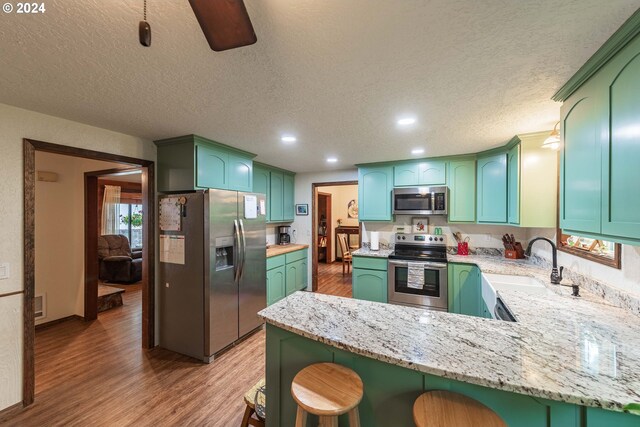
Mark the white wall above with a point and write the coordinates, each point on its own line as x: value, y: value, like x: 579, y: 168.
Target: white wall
x: 60, y: 233
x: 627, y: 278
x: 16, y: 124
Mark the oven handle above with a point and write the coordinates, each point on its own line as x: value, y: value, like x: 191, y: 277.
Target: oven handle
x: 438, y: 265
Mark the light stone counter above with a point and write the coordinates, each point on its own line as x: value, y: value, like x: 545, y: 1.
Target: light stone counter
x: 365, y: 251
x: 576, y: 350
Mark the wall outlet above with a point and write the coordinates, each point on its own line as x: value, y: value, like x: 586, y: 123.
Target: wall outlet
x: 4, y: 271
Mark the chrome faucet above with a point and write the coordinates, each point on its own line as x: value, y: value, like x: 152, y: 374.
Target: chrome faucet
x: 556, y: 276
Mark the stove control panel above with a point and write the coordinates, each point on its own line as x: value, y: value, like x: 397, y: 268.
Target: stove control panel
x: 421, y: 239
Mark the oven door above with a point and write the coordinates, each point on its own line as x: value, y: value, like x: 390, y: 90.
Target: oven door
x: 419, y: 283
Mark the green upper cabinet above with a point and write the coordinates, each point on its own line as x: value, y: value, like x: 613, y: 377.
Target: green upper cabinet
x: 240, y: 173
x: 464, y: 287
x: 601, y: 142
x: 288, y: 197
x: 432, y: 172
x: 492, y: 189
x: 191, y: 162
x: 276, y: 193
x: 261, y: 184
x: 513, y: 185
x: 279, y: 187
x: 462, y: 191
x: 374, y: 193
x: 212, y: 167
x: 621, y: 148
x: 580, y: 164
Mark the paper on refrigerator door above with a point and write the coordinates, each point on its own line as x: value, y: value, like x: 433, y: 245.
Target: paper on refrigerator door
x: 250, y: 206
x: 172, y: 249
x: 169, y: 214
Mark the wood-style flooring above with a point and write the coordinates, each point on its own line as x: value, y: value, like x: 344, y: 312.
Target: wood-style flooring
x: 332, y: 282
x: 97, y: 374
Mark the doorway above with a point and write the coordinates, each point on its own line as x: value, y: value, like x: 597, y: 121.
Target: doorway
x: 91, y: 264
x: 334, y: 215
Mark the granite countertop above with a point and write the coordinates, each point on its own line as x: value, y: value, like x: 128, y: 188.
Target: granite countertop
x: 275, y: 250
x: 577, y: 350
x: 365, y: 251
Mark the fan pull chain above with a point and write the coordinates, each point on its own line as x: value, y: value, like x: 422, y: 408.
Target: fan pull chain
x: 144, y: 29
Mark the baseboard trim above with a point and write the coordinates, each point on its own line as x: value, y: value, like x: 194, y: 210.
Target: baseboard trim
x: 57, y: 321
x: 8, y: 409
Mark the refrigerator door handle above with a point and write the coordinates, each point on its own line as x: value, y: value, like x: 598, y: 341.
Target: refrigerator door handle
x: 236, y: 261
x: 244, y: 249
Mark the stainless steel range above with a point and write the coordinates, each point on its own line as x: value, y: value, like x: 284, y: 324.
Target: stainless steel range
x: 418, y: 271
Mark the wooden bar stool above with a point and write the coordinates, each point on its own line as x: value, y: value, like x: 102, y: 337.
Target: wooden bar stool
x: 441, y: 408
x: 327, y: 390
x: 255, y: 400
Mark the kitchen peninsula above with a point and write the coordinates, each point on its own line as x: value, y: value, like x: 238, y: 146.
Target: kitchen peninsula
x: 566, y: 361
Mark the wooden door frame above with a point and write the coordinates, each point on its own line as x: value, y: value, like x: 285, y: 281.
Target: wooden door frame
x: 314, y: 226
x: 329, y: 219
x: 148, y: 261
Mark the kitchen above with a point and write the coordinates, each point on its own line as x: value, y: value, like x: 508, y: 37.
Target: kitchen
x: 522, y: 124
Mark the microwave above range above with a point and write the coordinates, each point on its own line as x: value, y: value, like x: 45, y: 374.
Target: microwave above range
x: 420, y: 201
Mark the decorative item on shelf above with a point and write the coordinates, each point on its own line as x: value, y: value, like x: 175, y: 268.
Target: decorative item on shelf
x: 513, y: 249
x: 339, y: 221
x: 419, y: 224
x: 302, y: 209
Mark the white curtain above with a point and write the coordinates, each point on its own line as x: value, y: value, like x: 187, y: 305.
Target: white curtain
x: 110, y: 210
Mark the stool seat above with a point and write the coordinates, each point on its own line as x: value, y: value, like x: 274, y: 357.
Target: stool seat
x: 255, y: 400
x: 327, y: 389
x: 441, y: 408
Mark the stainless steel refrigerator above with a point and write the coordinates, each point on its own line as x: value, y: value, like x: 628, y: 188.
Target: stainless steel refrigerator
x: 212, y: 269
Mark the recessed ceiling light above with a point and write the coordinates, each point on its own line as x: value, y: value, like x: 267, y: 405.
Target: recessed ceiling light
x: 331, y: 159
x: 417, y: 151
x: 406, y: 121
x: 289, y: 139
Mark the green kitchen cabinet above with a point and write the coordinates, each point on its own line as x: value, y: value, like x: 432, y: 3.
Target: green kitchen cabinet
x: 601, y: 143
x: 596, y: 417
x: 279, y: 187
x: 462, y: 190
x: 288, y: 194
x: 286, y: 274
x: 374, y: 193
x: 621, y: 145
x: 580, y: 164
x: 261, y: 184
x: 192, y: 162
x: 424, y: 172
x: 276, y: 194
x: 513, y: 185
x: 369, y: 278
x: 465, y: 292
x: 492, y: 189
x: 276, y: 284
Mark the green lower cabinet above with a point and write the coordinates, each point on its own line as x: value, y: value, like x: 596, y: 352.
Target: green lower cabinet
x: 276, y: 285
x: 286, y: 274
x: 390, y: 391
x: 369, y: 283
x: 465, y: 292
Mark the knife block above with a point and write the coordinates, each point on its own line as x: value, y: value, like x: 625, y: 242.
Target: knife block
x: 517, y: 253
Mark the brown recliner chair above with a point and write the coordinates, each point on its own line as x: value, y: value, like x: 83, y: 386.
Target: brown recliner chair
x: 117, y: 262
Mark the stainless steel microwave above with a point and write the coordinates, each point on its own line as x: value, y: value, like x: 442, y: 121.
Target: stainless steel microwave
x: 420, y: 201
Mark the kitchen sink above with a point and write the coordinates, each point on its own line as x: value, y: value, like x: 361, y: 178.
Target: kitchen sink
x: 493, y: 284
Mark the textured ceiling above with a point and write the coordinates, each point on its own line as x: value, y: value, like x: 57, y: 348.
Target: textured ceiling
x: 335, y: 73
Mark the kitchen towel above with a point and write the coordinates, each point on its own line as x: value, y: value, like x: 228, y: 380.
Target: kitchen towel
x: 375, y: 240
x: 415, y: 275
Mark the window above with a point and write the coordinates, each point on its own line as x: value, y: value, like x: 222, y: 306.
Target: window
x: 600, y: 251
x: 131, y: 223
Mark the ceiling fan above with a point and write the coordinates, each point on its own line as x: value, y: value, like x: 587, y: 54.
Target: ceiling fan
x: 225, y: 24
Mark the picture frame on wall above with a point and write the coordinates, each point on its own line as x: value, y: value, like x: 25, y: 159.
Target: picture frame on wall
x: 419, y: 224
x: 302, y: 209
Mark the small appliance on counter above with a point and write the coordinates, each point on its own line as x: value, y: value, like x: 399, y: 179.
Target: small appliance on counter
x: 512, y: 249
x: 417, y: 273
x: 284, y: 235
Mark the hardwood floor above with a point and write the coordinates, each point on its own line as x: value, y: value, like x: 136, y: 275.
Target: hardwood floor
x: 97, y: 374
x: 332, y: 282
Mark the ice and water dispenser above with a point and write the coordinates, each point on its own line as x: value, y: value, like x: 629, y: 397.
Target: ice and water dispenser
x: 224, y: 252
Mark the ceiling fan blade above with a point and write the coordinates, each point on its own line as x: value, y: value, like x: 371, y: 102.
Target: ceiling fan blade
x: 225, y: 23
